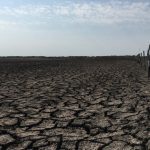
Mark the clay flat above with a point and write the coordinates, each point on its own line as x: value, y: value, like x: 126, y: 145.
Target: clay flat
x: 74, y: 103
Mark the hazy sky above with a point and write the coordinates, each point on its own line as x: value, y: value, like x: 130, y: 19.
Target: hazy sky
x: 74, y: 27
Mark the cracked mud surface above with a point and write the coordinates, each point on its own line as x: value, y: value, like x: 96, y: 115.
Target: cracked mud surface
x: 74, y: 104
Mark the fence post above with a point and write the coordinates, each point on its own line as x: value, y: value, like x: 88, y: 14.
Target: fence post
x: 148, y: 59
x: 138, y: 58
x: 144, y: 60
x: 141, y: 59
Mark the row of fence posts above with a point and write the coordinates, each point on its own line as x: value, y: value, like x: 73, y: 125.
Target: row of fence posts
x: 144, y: 60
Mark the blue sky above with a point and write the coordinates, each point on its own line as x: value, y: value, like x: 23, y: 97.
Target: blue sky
x: 74, y: 27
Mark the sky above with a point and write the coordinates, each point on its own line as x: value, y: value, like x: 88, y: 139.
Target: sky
x: 74, y: 27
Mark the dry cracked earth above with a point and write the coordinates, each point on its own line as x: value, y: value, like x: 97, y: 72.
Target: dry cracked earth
x: 74, y: 104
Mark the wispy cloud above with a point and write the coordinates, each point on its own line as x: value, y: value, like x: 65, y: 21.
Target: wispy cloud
x: 110, y: 12
x: 5, y: 24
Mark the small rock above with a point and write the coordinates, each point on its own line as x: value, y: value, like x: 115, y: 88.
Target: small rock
x: 118, y: 145
x: 5, y: 139
x: 8, y: 121
x: 86, y: 145
x: 39, y: 143
x: 29, y: 122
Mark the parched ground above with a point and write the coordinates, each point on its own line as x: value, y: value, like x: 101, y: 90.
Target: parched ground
x: 74, y: 104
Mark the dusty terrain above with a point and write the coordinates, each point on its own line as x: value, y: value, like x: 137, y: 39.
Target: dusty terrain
x: 74, y: 103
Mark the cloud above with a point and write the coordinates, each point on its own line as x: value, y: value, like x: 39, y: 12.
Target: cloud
x: 110, y: 12
x: 5, y: 24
